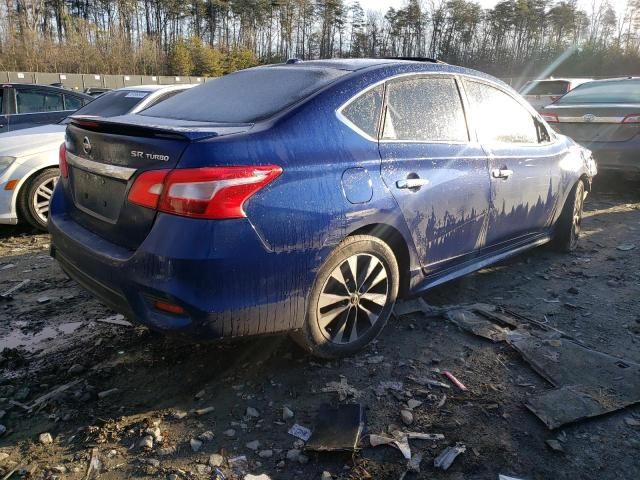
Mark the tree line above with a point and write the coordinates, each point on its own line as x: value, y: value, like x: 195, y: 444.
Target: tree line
x: 213, y: 37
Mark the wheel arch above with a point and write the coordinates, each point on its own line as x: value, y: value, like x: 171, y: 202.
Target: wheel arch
x: 23, y: 184
x: 398, y: 244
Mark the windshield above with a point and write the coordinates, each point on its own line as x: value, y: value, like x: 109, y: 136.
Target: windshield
x: 614, y: 91
x: 246, y: 96
x: 111, y: 104
x: 546, y: 87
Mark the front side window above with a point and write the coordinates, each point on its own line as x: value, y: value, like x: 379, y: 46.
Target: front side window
x: 37, y: 101
x: 498, y: 117
x: 424, y: 110
x: 364, y: 111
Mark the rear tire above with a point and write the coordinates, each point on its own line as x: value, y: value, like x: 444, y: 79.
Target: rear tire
x: 352, y: 298
x: 35, y: 196
x: 568, y: 227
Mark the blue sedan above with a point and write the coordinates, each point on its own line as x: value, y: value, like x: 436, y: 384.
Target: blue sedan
x: 307, y: 197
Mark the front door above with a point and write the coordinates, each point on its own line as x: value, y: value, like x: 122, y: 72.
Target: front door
x: 438, y: 176
x: 521, y: 159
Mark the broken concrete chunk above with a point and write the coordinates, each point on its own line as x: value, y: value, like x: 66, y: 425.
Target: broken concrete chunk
x: 265, y: 453
x: 165, y: 451
x: 287, y: 413
x: 146, y: 443
x: 448, y: 455
x: 45, y: 439
x: 206, y: 436
x: 203, y: 411
x: 196, y: 444
x: 262, y: 476
x: 252, y: 412
x: 253, y: 445
x: 555, y: 445
x: 326, y: 476
x: 108, y: 393
x: 216, y: 460
x: 413, y: 403
x: 229, y: 432
x: 407, y: 417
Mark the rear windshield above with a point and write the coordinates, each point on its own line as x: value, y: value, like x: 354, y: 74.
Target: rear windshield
x: 111, y: 104
x: 546, y: 87
x: 615, y: 91
x: 246, y: 96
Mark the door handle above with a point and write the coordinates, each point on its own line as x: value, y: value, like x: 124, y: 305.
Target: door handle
x: 411, y: 183
x: 501, y: 173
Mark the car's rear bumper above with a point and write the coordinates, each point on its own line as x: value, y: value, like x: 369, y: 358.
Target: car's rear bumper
x: 623, y: 157
x: 219, y: 272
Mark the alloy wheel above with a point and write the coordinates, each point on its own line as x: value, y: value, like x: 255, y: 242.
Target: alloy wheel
x: 42, y: 198
x: 352, y: 298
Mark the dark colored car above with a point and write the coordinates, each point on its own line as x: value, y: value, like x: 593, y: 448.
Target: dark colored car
x: 26, y: 106
x: 307, y: 197
x: 96, y: 91
x: 603, y: 116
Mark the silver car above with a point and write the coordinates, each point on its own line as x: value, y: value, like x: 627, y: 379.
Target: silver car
x: 29, y: 157
x: 540, y: 93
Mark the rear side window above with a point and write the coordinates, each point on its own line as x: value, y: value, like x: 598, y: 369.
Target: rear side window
x: 498, y: 117
x: 547, y: 87
x: 615, y: 91
x: 72, y: 102
x: 426, y: 110
x: 248, y: 95
x: 33, y: 101
x: 364, y: 111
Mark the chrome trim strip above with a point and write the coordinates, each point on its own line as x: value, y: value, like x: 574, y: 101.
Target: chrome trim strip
x: 104, y: 169
x: 594, y: 119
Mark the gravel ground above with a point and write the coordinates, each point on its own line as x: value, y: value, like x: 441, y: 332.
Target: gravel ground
x: 140, y: 405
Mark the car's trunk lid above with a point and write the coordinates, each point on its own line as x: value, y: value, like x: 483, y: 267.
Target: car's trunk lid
x: 595, y: 123
x: 106, y: 156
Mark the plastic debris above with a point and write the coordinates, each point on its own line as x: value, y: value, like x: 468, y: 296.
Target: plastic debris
x: 7, y: 294
x: 343, y: 389
x: 448, y: 455
x: 298, y: 431
x: 428, y: 382
x: 400, y: 440
x: 454, y: 380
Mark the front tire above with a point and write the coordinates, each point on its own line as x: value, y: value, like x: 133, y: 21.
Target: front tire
x: 352, y: 298
x: 570, y: 222
x: 35, y: 198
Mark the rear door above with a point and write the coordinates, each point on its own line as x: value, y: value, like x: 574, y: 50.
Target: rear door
x: 522, y: 155
x: 437, y: 173
x: 36, y: 106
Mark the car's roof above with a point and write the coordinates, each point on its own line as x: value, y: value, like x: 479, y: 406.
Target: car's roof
x: 155, y: 88
x: 41, y: 85
x: 563, y: 79
x: 349, y: 64
x: 616, y: 79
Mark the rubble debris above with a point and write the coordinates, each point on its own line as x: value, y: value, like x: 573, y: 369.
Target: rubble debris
x: 337, y: 428
x: 448, y: 455
x: 632, y: 422
x: 239, y: 465
x: 413, y: 465
x: 108, y: 393
x: 300, y: 432
x: 412, y: 403
x: 265, y: 453
x: 203, y: 411
x: 196, y: 445
x: 588, y: 383
x: 382, y: 387
x: 146, y: 442
x: 626, y: 247
x: 252, y: 412
x: 94, y: 465
x: 505, y: 477
x: 343, y: 389
x: 326, y: 476
x: 417, y: 305
x: 45, y: 439
x: 555, y: 445
x: 216, y: 460
x: 230, y: 432
x: 287, y: 413
x: 454, y: 380
x: 44, y: 399
x: 407, y: 417
x: 468, y: 320
x: 166, y: 451
x: 262, y: 476
x: 43, y: 300
x: 7, y: 294
x: 207, y: 436
x: 117, y: 319
x: 400, y: 440
x: 253, y: 445
x: 428, y: 382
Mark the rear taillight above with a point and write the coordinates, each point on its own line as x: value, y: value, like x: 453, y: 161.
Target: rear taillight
x: 550, y: 117
x: 632, y: 118
x: 62, y: 161
x: 212, y: 192
x: 147, y: 188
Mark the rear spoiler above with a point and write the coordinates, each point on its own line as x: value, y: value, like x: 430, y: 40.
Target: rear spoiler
x: 143, y: 126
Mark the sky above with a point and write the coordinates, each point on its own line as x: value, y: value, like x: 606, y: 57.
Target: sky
x: 383, y: 5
